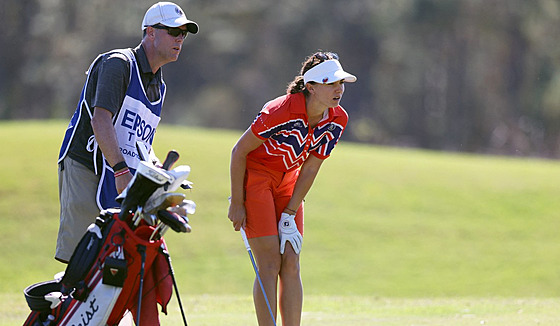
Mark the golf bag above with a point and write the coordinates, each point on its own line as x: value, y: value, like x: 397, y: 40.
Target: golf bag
x: 121, y: 263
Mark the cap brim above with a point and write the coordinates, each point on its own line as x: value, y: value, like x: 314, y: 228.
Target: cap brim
x: 340, y: 75
x: 334, y: 77
x: 192, y: 27
x: 328, y: 72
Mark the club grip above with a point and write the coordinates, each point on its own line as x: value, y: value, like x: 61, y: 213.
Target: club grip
x: 245, y: 239
x: 170, y: 159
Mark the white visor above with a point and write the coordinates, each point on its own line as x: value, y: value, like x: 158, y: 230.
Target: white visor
x: 328, y: 72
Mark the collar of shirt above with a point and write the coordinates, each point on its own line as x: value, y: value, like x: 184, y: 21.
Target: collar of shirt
x: 301, y: 108
x: 144, y: 64
x: 152, y: 82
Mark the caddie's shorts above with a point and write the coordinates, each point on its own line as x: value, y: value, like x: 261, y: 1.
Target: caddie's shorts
x: 267, y: 193
x: 77, y: 189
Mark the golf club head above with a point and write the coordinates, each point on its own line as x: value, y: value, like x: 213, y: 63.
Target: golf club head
x: 179, y: 176
x: 147, y: 179
x: 187, y: 207
x: 162, y: 201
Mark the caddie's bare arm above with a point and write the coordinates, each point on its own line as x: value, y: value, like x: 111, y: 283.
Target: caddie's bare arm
x: 102, y: 124
x: 247, y: 143
x: 307, y: 174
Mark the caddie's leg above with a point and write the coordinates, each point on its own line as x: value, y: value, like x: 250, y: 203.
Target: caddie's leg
x: 77, y: 187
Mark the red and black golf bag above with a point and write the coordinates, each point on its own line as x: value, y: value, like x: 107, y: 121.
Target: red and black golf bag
x: 121, y: 263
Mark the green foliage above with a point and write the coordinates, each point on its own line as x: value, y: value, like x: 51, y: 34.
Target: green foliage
x: 380, y: 222
x: 458, y: 75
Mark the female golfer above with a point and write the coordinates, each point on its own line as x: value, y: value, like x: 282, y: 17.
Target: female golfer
x: 273, y: 166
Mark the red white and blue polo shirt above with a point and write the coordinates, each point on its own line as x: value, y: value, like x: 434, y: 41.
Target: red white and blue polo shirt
x: 284, y: 125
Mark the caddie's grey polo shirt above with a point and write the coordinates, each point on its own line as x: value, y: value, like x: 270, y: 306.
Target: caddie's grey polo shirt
x: 107, y: 85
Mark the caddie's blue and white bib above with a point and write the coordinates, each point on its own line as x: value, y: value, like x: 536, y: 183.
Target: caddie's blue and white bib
x: 136, y: 121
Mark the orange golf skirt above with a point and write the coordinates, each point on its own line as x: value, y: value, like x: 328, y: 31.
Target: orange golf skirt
x: 267, y: 193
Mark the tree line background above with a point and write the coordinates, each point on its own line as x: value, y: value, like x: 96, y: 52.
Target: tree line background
x: 477, y: 76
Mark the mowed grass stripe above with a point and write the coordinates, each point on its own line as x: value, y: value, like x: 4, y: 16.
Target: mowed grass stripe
x: 379, y: 221
x: 237, y: 310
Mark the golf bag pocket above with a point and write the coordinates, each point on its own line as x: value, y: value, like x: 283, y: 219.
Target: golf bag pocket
x: 102, y: 296
x: 115, y: 271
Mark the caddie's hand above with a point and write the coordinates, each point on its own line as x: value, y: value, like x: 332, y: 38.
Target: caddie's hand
x: 287, y: 231
x: 122, y: 181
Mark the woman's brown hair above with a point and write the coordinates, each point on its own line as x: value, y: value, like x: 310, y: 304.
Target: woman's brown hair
x: 297, y: 85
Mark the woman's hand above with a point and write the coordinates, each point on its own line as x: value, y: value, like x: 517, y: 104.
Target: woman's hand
x: 237, y: 215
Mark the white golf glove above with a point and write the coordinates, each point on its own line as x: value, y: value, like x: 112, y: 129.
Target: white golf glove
x: 287, y: 231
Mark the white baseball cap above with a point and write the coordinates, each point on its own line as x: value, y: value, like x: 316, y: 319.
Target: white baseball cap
x: 328, y: 71
x: 168, y: 14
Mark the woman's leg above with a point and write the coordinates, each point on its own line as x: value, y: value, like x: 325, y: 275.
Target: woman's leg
x: 291, y: 288
x: 264, y: 206
x: 267, y: 255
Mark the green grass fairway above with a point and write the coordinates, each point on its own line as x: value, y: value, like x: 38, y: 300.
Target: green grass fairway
x: 237, y: 310
x: 392, y: 236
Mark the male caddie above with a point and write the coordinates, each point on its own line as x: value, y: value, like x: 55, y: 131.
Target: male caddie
x: 120, y: 106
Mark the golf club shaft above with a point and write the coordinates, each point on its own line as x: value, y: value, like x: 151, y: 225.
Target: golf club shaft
x: 246, y: 241
x: 142, y: 250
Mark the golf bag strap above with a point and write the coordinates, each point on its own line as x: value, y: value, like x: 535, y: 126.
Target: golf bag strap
x: 85, y: 254
x: 35, y: 295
